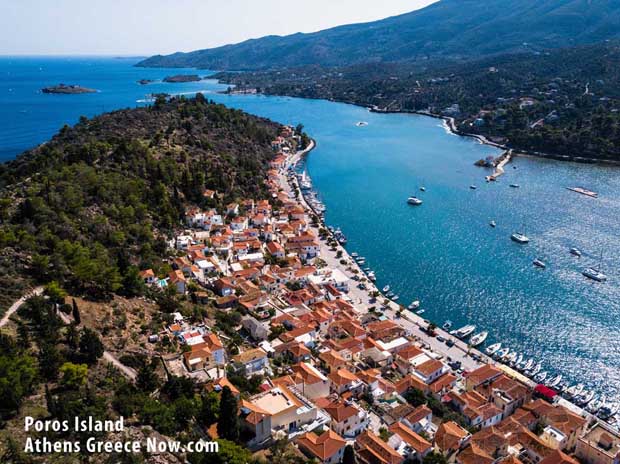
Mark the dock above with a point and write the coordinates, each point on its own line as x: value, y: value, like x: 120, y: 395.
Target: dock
x: 501, y: 161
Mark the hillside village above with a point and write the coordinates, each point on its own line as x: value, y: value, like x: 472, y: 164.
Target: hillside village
x: 335, y: 364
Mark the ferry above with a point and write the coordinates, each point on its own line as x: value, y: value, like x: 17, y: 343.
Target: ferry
x: 539, y: 263
x: 414, y: 201
x: 447, y: 325
x: 493, y: 224
x: 594, y: 274
x: 519, y: 238
x: 386, y: 289
x: 464, y: 332
x: 492, y: 349
x: 414, y: 305
x: 479, y: 338
x: 575, y: 252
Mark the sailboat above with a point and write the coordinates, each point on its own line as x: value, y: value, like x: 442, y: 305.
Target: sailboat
x: 594, y: 273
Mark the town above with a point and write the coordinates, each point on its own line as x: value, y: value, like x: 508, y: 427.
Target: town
x: 339, y: 368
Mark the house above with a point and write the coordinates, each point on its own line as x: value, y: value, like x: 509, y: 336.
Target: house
x: 148, y: 276
x: 565, y: 427
x: 216, y: 347
x: 257, y: 420
x: 347, y: 419
x: 197, y: 358
x: 483, y: 375
x: 476, y: 409
x: 331, y: 360
x: 276, y: 250
x: 599, y: 445
x: 288, y: 410
x: 420, y: 420
x: 252, y: 361
x: 223, y: 287
x: 451, y: 437
x: 177, y: 279
x: 408, y: 443
x: 506, y: 393
x: 344, y: 380
x: 258, y: 330
x: 327, y: 448
x: 372, y: 450
x: 312, y: 383
x: 430, y: 370
x: 558, y: 457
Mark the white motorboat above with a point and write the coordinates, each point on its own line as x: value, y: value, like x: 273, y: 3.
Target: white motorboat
x: 520, y: 237
x: 518, y: 360
x: 415, y: 201
x: 596, y: 404
x: 554, y: 382
x: 464, y: 331
x: 422, y: 189
x: 594, y: 274
x: 499, y: 354
x: 479, y: 338
x: 528, y: 365
x: 447, y: 325
x: 361, y: 123
x: 492, y: 349
x: 493, y: 224
x: 511, y: 357
x: 536, y: 369
x: 539, y: 263
x: 414, y: 305
x: 575, y: 390
x: 386, y: 289
x: 575, y: 252
x: 420, y: 311
x: 395, y: 298
x: 473, y: 187
x: 540, y: 378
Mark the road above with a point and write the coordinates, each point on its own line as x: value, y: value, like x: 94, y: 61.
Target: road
x: 15, y: 306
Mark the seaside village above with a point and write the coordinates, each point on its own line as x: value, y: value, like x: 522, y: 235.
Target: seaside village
x: 336, y: 363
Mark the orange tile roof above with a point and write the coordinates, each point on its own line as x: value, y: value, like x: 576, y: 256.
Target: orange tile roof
x: 414, y: 440
x: 322, y: 446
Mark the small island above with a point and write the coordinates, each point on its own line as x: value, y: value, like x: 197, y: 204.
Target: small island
x: 145, y: 81
x: 67, y: 89
x: 182, y: 78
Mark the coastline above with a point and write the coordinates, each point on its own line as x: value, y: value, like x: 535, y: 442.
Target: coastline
x: 338, y: 257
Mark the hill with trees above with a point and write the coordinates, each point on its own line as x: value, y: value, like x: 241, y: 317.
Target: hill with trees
x: 99, y: 201
x: 447, y: 29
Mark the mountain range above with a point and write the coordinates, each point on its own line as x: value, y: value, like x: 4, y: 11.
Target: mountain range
x: 447, y: 29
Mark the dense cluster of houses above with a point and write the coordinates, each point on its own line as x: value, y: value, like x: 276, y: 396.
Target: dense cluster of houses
x: 335, y: 373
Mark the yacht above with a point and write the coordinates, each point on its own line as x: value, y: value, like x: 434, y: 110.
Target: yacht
x: 594, y: 274
x: 493, y: 224
x: 492, y: 349
x: 447, y: 325
x: 414, y: 201
x: 575, y: 252
x: 519, y: 238
x: 539, y: 263
x: 386, y: 289
x: 464, y: 331
x: 479, y: 338
x: 414, y: 305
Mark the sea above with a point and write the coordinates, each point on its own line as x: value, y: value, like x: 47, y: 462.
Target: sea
x: 443, y: 253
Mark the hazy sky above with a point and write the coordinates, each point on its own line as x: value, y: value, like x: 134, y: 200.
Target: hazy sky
x: 144, y: 27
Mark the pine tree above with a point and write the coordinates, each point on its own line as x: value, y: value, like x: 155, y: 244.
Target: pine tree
x: 76, y: 313
x: 50, y: 401
x: 228, y: 422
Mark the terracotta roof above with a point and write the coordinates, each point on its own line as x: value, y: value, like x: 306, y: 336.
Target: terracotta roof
x: 410, y: 437
x: 375, y: 450
x: 343, y: 377
x: 474, y: 455
x: 449, y: 435
x: 250, y: 355
x: 557, y: 457
x: 322, y: 446
x: 429, y: 367
x: 340, y: 411
x: 482, y: 374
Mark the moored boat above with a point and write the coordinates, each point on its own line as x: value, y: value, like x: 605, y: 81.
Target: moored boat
x: 479, y: 338
x: 500, y: 354
x: 492, y: 349
x: 464, y: 331
x: 386, y: 289
x: 594, y: 274
x: 447, y: 325
x: 520, y: 237
x: 415, y: 201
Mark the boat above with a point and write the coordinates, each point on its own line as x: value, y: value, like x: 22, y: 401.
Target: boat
x: 583, y: 191
x: 596, y: 404
x: 575, y: 252
x: 354, y: 255
x: 586, y: 397
x: 360, y: 258
x: 492, y: 349
x: 415, y: 201
x: 479, y: 338
x: 386, y: 289
x: 519, y: 360
x: 414, y: 305
x: 540, y: 378
x: 528, y: 365
x: 447, y: 325
x: 594, y: 274
x: 420, y: 311
x: 390, y: 294
x: 519, y: 237
x: 502, y: 353
x: 422, y: 189
x: 395, y: 298
x: 372, y: 277
x: 361, y: 123
x: 361, y: 262
x: 536, y: 369
x: 304, y: 181
x: 516, y: 186
x: 539, y: 263
x: 511, y: 357
x: 575, y: 390
x: 493, y: 224
x: 464, y: 331
x: 555, y: 381
x: 473, y: 187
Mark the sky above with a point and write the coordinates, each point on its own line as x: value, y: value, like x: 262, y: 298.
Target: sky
x: 146, y: 27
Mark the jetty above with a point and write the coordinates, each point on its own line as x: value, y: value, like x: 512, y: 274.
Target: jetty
x: 500, y: 162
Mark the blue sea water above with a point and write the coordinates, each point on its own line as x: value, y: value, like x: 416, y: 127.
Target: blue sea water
x: 443, y: 253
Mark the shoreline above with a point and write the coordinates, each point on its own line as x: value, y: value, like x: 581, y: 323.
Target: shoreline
x: 399, y: 314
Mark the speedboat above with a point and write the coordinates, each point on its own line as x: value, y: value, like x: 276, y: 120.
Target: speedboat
x: 386, y: 289
x: 594, y: 274
x: 420, y: 311
x: 520, y: 238
x: 422, y: 189
x: 464, y: 332
x: 395, y: 298
x: 447, y: 325
x: 516, y: 186
x: 493, y: 224
x: 473, y: 187
x: 354, y: 255
x: 539, y: 263
x: 492, y: 349
x: 575, y: 252
x: 415, y: 201
x: 414, y: 305
x: 361, y: 123
x: 479, y: 338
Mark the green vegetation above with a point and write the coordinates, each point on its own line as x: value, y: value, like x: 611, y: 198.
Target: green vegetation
x: 97, y: 202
